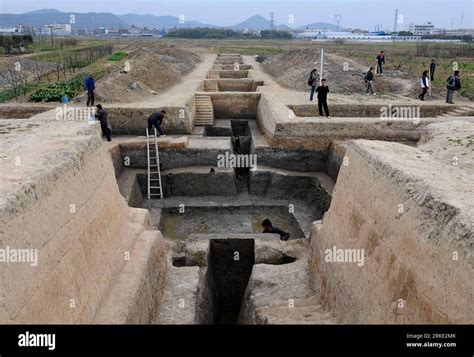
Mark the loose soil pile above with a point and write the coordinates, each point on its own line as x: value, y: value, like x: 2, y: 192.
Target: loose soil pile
x: 344, y: 75
x: 151, y: 71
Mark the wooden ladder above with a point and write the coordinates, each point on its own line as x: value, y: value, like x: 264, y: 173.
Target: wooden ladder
x: 154, y: 172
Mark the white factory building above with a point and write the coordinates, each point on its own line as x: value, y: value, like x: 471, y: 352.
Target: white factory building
x: 421, y: 30
x: 323, y: 34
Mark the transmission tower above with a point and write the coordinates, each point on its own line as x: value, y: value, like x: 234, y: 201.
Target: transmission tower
x: 338, y: 19
x: 272, y: 21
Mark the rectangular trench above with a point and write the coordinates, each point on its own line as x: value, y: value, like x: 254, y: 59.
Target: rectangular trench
x: 230, y: 264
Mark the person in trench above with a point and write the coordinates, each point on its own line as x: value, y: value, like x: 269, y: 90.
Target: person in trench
x: 269, y: 228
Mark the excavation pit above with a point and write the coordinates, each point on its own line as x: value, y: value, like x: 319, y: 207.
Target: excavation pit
x: 227, y: 74
x: 227, y: 128
x: 230, y: 264
x: 231, y: 85
x: 236, y: 105
x: 175, y: 224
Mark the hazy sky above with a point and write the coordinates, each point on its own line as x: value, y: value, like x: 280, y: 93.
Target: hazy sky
x: 355, y: 13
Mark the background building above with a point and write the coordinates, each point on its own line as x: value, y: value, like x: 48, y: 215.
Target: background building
x: 421, y: 30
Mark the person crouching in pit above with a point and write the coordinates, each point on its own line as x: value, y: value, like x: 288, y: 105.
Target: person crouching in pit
x: 268, y: 228
x: 156, y: 120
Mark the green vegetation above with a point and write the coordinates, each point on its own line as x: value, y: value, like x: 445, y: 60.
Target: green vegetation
x: 251, y: 50
x: 54, y: 92
x: 208, y: 33
x: 118, y: 56
x: 10, y: 94
x: 8, y: 43
x: 220, y: 34
x: 275, y: 35
x: 75, y: 57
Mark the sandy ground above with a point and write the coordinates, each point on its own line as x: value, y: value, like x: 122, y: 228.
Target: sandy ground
x: 150, y: 71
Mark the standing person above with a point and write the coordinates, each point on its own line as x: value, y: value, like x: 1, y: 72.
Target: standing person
x: 269, y: 228
x: 101, y: 116
x: 454, y: 84
x: 380, y: 61
x: 425, y: 84
x: 323, y: 91
x: 156, y: 119
x: 89, y: 85
x: 432, y: 69
x: 313, y: 81
x: 369, y: 77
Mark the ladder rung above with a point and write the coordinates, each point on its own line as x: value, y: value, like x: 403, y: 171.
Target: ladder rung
x: 155, y: 187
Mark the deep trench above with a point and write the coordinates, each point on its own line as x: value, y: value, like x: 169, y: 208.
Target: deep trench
x: 241, y: 144
x: 230, y: 263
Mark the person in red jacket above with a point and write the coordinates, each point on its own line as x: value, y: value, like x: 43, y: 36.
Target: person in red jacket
x: 380, y: 62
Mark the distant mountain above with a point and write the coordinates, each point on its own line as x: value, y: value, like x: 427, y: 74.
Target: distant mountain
x: 257, y: 23
x: 152, y: 21
x: 42, y: 11
x: 44, y: 17
x: 93, y: 20
x: 320, y: 26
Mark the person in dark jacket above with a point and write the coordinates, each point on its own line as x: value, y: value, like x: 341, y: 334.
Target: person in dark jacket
x: 155, y: 120
x: 313, y: 82
x: 432, y: 69
x: 380, y: 62
x: 89, y: 85
x: 101, y: 116
x: 425, y: 84
x: 269, y: 228
x: 369, y: 78
x: 323, y: 91
x: 454, y: 84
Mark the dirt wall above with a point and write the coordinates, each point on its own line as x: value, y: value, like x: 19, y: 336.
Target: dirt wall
x: 402, y: 208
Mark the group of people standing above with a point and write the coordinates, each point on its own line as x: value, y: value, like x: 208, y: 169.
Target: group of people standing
x: 427, y: 78
x: 320, y: 86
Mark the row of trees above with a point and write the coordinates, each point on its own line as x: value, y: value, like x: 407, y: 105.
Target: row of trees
x: 8, y: 43
x: 211, y: 33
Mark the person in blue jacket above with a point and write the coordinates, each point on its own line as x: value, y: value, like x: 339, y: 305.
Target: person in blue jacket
x: 89, y: 85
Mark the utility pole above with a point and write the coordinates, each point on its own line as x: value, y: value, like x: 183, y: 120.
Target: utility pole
x: 51, y: 30
x: 462, y: 18
x: 321, y: 66
x: 395, y: 22
x: 272, y: 21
